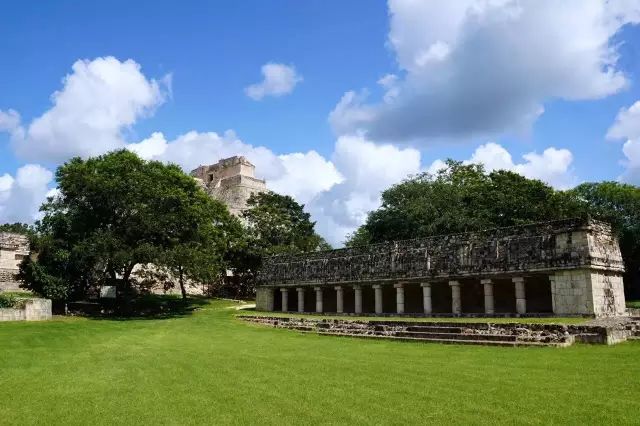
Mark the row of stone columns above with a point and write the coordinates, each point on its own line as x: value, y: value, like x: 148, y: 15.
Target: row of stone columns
x: 456, y: 300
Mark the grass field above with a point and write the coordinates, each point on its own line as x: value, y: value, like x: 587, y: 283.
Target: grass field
x: 211, y: 368
x: 633, y: 304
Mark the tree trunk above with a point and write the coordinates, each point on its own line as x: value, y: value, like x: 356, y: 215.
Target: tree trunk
x: 126, y: 278
x: 181, y: 280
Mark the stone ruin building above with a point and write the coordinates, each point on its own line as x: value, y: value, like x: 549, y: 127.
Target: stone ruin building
x: 13, y: 248
x: 232, y: 181
x: 564, y: 268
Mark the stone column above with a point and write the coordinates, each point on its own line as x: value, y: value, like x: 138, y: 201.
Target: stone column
x: 456, y: 303
x: 488, y: 296
x: 318, y: 299
x: 357, y: 290
x: 399, y: 297
x: 339, y: 299
x: 521, y: 301
x: 285, y: 299
x: 270, y: 299
x: 426, y: 298
x: 300, y: 291
x: 553, y: 282
x: 378, y: 292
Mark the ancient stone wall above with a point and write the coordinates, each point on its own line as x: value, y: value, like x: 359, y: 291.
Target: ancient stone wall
x: 13, y: 248
x: 588, y: 292
x: 565, y: 244
x: 33, y: 310
x: 264, y: 299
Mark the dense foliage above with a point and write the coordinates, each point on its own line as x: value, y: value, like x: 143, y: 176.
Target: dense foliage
x: 278, y: 224
x: 464, y: 197
x: 16, y: 228
x: 273, y: 224
x: 116, y: 212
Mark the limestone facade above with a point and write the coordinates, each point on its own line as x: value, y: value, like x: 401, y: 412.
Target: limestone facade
x: 13, y: 248
x: 567, y: 267
x: 232, y: 181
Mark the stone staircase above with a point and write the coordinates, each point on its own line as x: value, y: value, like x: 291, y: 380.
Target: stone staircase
x: 633, y: 328
x: 510, y: 335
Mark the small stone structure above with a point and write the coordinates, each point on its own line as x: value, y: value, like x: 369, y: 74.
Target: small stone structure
x: 31, y: 310
x: 503, y: 334
x: 13, y: 248
x: 232, y: 181
x: 566, y: 267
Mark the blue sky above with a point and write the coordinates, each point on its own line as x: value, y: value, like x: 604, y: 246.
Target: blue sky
x: 468, y: 81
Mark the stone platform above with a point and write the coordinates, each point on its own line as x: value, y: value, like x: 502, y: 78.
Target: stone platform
x: 508, y: 334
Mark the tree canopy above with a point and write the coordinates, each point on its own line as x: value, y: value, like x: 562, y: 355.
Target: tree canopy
x: 460, y: 198
x: 278, y: 224
x: 16, y: 228
x: 117, y: 211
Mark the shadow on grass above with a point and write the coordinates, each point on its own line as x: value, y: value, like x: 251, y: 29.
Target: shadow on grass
x: 142, y: 307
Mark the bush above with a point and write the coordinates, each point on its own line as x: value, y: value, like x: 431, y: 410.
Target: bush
x: 8, y: 301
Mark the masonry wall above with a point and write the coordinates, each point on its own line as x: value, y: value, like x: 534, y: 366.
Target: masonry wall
x: 13, y: 248
x: 33, y: 310
x: 587, y: 292
x: 264, y: 299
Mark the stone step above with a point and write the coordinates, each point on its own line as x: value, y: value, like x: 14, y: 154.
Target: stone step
x: 457, y: 336
x: 448, y: 341
x: 447, y: 334
x: 434, y: 329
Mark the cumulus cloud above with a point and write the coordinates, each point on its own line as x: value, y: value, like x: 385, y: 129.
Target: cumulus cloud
x: 368, y: 169
x: 339, y: 192
x: 9, y: 120
x: 301, y: 175
x: 553, y: 166
x: 477, y: 67
x: 99, y: 100
x: 279, y: 80
x: 22, y: 195
x: 627, y: 126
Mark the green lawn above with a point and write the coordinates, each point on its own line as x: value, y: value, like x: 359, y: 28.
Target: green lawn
x: 211, y: 368
x: 633, y: 304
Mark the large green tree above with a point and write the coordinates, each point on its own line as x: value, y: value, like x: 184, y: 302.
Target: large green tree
x: 274, y: 224
x: 117, y: 211
x: 278, y: 224
x: 459, y: 198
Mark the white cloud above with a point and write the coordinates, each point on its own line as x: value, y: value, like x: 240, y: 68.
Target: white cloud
x: 338, y: 192
x: 305, y: 176
x: 627, y: 123
x: 553, y: 166
x: 279, y: 80
x: 301, y: 175
x: 368, y: 169
x: 22, y: 195
x: 627, y: 126
x: 478, y: 67
x: 9, y: 120
x: 99, y: 100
